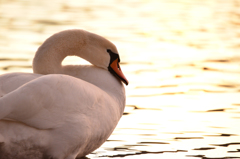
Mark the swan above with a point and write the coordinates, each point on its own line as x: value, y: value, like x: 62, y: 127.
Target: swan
x: 62, y: 112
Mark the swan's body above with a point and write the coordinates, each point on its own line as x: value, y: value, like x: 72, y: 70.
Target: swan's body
x: 62, y: 112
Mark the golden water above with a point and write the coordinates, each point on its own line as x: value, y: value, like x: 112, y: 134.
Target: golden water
x: 181, y: 57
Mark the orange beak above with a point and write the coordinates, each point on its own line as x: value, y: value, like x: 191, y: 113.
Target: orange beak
x: 117, y: 71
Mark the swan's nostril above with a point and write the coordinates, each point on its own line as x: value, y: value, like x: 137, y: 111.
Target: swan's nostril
x: 118, y: 66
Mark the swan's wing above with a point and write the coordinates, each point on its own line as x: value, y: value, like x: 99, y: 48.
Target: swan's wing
x: 11, y: 81
x: 52, y: 100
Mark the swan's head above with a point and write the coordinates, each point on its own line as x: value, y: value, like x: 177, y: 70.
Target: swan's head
x: 102, y: 53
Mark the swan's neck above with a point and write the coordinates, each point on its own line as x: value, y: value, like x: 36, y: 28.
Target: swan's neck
x: 49, y: 57
x: 50, y: 54
x: 48, y: 60
x: 100, y: 78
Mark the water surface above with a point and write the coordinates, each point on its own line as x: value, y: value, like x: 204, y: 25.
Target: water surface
x: 181, y: 57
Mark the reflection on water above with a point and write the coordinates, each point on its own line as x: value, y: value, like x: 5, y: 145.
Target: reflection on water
x: 181, y: 58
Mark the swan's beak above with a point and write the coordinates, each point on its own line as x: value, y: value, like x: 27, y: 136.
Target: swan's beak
x: 115, y: 68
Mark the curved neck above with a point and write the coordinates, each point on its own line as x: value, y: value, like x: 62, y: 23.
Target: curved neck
x: 50, y: 54
x: 48, y: 60
x: 45, y: 63
x: 51, y: 64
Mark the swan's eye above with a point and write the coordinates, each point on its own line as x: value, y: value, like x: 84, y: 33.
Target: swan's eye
x: 113, y: 56
x: 109, y: 51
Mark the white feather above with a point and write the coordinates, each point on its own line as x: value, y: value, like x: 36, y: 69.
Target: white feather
x: 61, y: 111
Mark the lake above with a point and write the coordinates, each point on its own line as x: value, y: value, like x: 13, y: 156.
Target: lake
x: 181, y: 57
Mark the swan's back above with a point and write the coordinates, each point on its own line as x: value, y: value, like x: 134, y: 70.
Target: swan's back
x: 11, y: 81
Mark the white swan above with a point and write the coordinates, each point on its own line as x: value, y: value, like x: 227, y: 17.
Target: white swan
x: 62, y: 112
